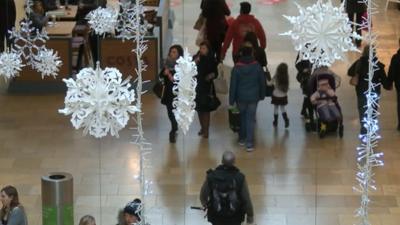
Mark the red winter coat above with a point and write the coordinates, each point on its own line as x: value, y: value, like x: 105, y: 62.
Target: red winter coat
x: 237, y: 31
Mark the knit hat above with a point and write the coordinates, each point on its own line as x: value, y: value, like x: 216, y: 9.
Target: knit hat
x: 134, y: 208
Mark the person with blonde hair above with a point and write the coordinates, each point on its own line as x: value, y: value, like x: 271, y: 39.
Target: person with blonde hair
x: 87, y: 220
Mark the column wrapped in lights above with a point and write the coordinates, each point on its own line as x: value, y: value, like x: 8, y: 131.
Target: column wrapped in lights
x: 368, y: 158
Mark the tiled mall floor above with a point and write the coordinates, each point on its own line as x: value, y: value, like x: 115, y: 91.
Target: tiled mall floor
x: 295, y: 178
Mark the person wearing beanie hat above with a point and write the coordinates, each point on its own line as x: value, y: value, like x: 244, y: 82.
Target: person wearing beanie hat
x: 132, y: 212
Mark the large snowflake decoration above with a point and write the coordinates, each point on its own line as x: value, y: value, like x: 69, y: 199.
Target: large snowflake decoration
x: 99, y: 101
x: 322, y: 33
x: 47, y: 62
x: 185, y: 88
x: 30, y: 43
x: 103, y: 20
x: 10, y: 64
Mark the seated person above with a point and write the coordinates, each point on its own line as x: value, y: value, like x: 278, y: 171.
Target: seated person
x: 325, y: 100
x: 38, y: 17
x: 131, y: 213
x: 49, y: 5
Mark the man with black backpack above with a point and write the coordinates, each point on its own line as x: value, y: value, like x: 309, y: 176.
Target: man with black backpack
x: 225, y: 194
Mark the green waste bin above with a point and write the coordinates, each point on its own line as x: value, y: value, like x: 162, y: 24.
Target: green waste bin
x: 58, y: 199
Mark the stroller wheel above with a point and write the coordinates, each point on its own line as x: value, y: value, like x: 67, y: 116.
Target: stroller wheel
x: 341, y: 131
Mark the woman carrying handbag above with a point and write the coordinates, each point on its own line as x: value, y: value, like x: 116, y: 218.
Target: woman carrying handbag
x: 206, y: 99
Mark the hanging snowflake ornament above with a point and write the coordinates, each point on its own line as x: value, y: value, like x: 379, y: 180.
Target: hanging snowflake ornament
x: 30, y: 44
x: 103, y: 20
x: 99, y: 101
x: 10, y: 64
x: 322, y: 33
x: 185, y: 90
x: 47, y: 62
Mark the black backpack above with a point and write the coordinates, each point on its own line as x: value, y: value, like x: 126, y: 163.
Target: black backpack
x: 225, y: 201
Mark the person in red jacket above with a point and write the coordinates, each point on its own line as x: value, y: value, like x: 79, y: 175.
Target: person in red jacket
x: 243, y: 24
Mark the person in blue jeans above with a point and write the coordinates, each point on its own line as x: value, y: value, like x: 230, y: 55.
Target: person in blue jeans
x: 246, y: 90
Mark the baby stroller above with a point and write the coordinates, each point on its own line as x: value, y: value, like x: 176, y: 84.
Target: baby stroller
x: 328, y: 112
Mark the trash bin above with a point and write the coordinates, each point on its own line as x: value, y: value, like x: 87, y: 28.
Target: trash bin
x: 57, y: 199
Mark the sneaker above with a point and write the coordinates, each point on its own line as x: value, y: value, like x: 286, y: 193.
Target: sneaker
x: 242, y: 143
x: 249, y: 149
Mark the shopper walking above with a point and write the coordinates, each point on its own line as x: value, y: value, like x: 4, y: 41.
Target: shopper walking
x: 167, y: 75
x: 359, y: 79
x: 12, y: 212
x: 7, y: 21
x: 394, y: 76
x: 205, y: 91
x: 356, y: 9
x: 246, y: 90
x: 225, y: 194
x: 243, y: 24
x: 279, y: 95
x: 259, y: 53
x: 214, y: 12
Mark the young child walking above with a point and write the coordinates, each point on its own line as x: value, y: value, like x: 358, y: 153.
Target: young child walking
x: 279, y: 95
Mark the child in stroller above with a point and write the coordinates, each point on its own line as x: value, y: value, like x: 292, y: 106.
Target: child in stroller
x: 324, y: 98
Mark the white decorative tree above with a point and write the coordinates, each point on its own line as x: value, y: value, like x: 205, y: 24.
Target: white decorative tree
x: 185, y: 89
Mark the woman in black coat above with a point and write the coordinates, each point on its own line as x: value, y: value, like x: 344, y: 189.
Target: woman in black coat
x: 360, y: 68
x: 167, y: 75
x: 216, y: 26
x: 206, y: 73
x: 7, y: 21
x: 355, y: 10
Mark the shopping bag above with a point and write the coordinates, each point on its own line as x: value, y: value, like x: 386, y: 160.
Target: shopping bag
x: 201, y: 20
x: 220, y: 84
x: 201, y: 35
x: 234, y: 119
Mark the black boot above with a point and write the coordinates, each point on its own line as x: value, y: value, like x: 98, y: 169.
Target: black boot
x: 172, y: 137
x: 275, y: 122
x: 285, y: 117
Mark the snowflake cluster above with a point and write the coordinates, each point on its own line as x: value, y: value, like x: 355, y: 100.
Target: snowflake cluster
x: 10, y: 64
x: 102, y: 20
x: 30, y: 44
x: 185, y: 89
x: 131, y: 21
x: 99, y: 101
x: 322, y: 33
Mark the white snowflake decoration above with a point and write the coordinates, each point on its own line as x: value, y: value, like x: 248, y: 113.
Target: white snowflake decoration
x: 322, y: 33
x: 10, y: 64
x: 47, y: 63
x: 99, y: 101
x: 185, y: 88
x: 103, y: 20
x: 30, y: 43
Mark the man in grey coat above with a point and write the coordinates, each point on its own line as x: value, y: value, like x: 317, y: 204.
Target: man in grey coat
x: 226, y: 183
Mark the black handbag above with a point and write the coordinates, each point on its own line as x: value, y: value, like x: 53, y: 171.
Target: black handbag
x: 213, y: 101
x: 159, y: 89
